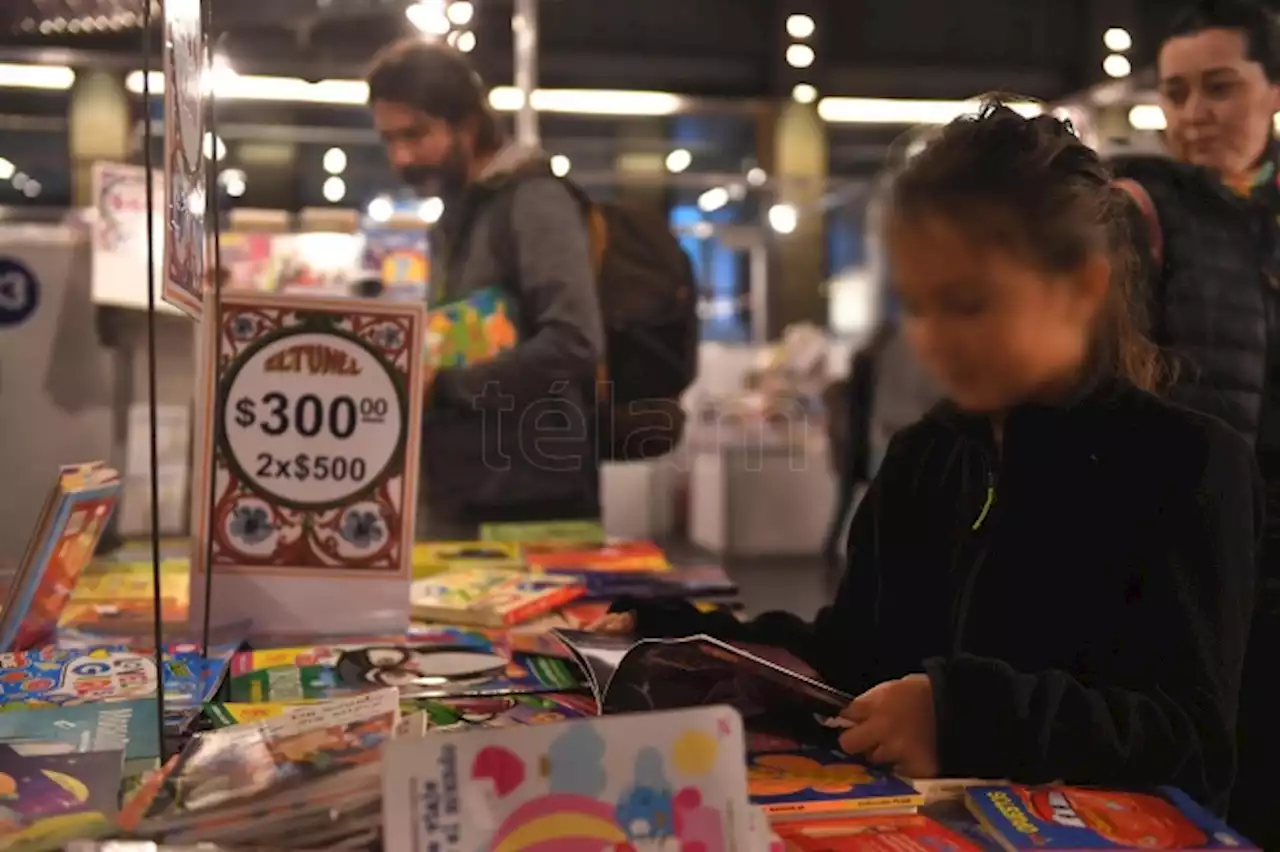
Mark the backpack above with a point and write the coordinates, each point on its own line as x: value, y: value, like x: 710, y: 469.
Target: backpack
x: 648, y: 301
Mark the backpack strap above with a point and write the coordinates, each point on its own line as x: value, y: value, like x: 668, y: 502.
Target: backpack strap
x: 1155, y: 234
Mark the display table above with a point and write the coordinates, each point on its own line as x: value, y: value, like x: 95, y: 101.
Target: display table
x: 761, y: 498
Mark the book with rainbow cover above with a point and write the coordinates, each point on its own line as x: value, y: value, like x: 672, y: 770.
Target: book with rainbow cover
x: 1080, y: 818
x: 661, y: 780
x: 470, y: 330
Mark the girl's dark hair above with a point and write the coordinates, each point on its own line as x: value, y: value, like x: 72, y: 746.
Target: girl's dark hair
x: 435, y: 79
x: 1031, y: 183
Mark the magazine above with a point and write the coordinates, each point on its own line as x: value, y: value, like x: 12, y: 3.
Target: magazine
x: 1079, y: 818
x: 662, y: 780
x: 48, y: 799
x: 123, y: 726
x: 490, y: 597
x: 418, y: 671
x: 766, y: 686
x: 74, y: 515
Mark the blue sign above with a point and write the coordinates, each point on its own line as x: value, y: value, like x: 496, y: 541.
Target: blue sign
x: 19, y: 293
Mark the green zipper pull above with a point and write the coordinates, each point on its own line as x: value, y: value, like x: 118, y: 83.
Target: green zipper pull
x: 986, y: 507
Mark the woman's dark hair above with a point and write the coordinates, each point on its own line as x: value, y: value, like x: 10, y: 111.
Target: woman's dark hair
x: 1032, y: 184
x: 1253, y: 20
x: 437, y: 80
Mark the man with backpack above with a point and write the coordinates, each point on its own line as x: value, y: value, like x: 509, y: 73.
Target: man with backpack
x: 520, y: 437
x: 1206, y: 221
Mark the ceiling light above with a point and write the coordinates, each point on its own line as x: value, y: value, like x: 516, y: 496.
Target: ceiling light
x: 907, y: 110
x: 800, y: 26
x: 1117, y: 40
x: 32, y: 189
x: 214, y: 148
x: 335, y: 189
x: 48, y: 77
x: 784, y: 218
x: 590, y: 101
x: 713, y: 199
x: 7, y: 169
x: 1116, y: 66
x: 466, y: 41
x: 430, y: 210
x: 800, y: 56
x: 335, y: 161
x: 804, y: 93
x: 233, y: 181
x: 20, y: 181
x: 460, y: 12
x: 679, y: 160
x: 560, y: 165
x: 381, y: 209
x: 757, y: 176
x: 429, y: 17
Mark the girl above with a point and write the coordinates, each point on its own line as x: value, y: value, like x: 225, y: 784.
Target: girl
x: 1052, y: 575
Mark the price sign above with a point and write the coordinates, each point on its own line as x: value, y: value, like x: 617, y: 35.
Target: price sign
x: 310, y: 468
x: 313, y: 419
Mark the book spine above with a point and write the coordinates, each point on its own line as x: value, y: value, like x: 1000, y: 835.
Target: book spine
x: 541, y: 606
x: 880, y: 804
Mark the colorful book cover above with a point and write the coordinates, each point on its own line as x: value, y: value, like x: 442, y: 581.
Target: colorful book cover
x: 128, y: 726
x: 625, y: 556
x: 503, y: 711
x: 576, y: 534
x: 470, y: 331
x: 47, y: 800
x: 874, y: 833
x: 470, y: 554
x: 117, y: 598
x: 621, y: 782
x: 398, y: 258
x: 1077, y: 818
x: 421, y: 671
x: 802, y: 781
x: 233, y: 764
x: 490, y: 597
x: 66, y: 548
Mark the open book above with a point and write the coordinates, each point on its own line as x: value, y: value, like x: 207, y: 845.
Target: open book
x: 765, y: 685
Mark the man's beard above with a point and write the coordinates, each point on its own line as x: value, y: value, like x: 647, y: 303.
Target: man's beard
x: 445, y: 180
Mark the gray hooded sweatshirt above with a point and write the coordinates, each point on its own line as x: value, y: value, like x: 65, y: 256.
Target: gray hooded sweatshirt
x: 512, y: 439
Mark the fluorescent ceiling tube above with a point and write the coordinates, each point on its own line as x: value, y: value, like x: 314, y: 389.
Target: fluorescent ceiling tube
x: 905, y: 110
x: 56, y: 78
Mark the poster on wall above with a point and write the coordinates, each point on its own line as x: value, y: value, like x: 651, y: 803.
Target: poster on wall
x: 184, y: 165
x: 397, y: 258
x: 118, y: 267
x: 313, y: 466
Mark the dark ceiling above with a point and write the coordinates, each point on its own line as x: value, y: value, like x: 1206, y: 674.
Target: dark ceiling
x: 728, y: 52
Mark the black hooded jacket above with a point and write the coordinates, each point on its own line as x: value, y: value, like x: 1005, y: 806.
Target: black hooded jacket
x: 1079, y: 597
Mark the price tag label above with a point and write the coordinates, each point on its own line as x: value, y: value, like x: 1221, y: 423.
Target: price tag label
x: 313, y: 419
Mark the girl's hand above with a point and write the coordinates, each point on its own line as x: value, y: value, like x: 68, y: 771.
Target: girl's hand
x: 894, y: 725
x: 615, y: 622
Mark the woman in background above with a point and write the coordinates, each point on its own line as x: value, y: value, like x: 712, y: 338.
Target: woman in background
x: 1052, y: 574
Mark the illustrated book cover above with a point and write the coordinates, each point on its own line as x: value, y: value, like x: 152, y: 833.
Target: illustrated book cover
x: 443, y: 555
x: 570, y: 534
x: 1077, y: 818
x: 873, y: 833
x: 622, y: 556
x: 773, y: 692
x: 793, y: 781
x: 470, y: 331
x: 490, y: 597
x: 626, y: 782
x: 74, y: 516
x: 124, y: 726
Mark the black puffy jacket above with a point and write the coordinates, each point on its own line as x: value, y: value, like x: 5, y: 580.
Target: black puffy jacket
x: 1216, y: 293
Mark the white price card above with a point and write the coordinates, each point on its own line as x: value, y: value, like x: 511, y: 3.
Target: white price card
x: 310, y: 463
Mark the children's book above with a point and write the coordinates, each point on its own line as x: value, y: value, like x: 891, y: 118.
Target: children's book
x: 873, y: 833
x: 230, y: 765
x: 127, y: 726
x: 660, y: 780
x: 50, y: 799
x: 74, y: 516
x: 469, y: 554
x: 575, y: 534
x: 420, y: 671
x: 793, y: 781
x: 616, y: 557
x: 1077, y: 818
x: 766, y: 686
x: 117, y: 598
x: 490, y: 597
x: 471, y: 330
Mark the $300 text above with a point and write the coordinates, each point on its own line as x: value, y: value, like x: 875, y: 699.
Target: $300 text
x: 306, y: 468
x: 308, y: 416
